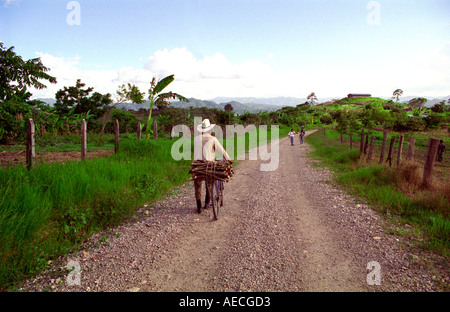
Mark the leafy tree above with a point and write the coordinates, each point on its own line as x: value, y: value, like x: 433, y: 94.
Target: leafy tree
x: 397, y: 94
x: 124, y: 93
x: 128, y: 121
x: 12, y: 115
x: 434, y: 120
x: 440, y: 107
x: 77, y: 98
x: 326, y: 119
x: 16, y: 74
x: 417, y: 102
x: 228, y: 108
x: 312, y: 98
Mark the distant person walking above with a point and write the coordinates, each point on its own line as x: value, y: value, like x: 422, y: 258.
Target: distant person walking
x: 291, y: 136
x: 441, y: 150
x: 302, y: 134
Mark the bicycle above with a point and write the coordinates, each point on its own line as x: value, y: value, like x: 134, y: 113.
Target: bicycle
x: 216, y: 194
x: 214, y: 173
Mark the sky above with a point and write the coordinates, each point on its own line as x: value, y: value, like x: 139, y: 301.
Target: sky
x: 237, y: 48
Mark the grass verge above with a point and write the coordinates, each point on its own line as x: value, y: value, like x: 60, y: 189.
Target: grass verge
x: 393, y: 190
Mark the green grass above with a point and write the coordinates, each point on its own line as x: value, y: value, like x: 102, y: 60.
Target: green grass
x: 427, y: 211
x: 47, y: 211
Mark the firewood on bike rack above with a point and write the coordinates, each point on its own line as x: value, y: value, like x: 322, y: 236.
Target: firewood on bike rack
x: 208, y: 170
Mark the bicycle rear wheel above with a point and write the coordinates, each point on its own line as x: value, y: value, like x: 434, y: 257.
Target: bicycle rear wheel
x: 215, y: 198
x: 221, y: 187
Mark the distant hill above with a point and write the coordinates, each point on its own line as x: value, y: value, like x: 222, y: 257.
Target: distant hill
x: 277, y: 101
x: 238, y: 107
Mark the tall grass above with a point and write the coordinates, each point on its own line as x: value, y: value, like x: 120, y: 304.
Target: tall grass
x: 47, y: 211
x: 393, y: 190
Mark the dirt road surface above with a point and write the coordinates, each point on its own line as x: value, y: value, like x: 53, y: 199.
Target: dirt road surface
x: 286, y: 230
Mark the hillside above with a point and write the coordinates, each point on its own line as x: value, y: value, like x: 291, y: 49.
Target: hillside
x: 238, y: 107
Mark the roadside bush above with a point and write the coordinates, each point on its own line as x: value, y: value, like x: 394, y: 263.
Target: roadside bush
x: 415, y: 124
x: 434, y: 120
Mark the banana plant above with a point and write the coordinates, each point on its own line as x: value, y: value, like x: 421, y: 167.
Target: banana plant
x: 161, y: 99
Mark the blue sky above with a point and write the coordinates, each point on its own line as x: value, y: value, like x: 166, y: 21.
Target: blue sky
x: 254, y: 48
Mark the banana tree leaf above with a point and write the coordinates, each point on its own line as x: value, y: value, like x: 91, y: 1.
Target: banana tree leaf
x: 162, y: 84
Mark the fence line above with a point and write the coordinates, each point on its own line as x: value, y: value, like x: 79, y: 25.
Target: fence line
x: 31, y: 135
x: 413, y: 153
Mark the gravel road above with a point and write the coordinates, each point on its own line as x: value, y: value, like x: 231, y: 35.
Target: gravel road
x: 286, y: 230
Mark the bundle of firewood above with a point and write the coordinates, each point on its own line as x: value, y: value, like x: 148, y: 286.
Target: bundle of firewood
x: 211, y: 170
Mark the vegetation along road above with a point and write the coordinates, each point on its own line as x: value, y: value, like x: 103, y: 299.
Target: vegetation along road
x: 290, y: 229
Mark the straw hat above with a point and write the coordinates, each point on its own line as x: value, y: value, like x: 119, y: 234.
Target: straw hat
x: 205, y: 126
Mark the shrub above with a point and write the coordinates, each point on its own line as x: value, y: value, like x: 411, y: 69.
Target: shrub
x: 434, y: 120
x: 326, y: 119
x: 415, y: 124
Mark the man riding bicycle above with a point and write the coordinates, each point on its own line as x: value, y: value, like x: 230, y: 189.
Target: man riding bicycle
x: 209, y: 146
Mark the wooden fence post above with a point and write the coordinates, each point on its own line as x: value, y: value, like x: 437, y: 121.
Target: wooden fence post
x: 139, y: 126
x: 412, y: 142
x: 351, y: 141
x: 400, y: 150
x: 389, y: 158
x: 383, y: 146
x: 372, y: 142
x: 361, y: 144
x: 83, y: 139
x: 116, y: 136
x: 155, y: 131
x: 30, y: 154
x: 429, y: 161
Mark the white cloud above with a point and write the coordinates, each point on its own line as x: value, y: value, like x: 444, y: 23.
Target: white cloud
x: 213, y: 75
x: 421, y: 74
x: 6, y: 3
x: 203, y: 78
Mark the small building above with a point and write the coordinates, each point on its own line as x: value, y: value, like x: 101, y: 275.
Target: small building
x: 352, y: 95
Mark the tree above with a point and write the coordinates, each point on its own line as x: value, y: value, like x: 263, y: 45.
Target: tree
x: 312, y: 98
x: 440, y: 107
x: 123, y: 94
x: 161, y: 99
x: 15, y: 103
x: 397, y: 94
x: 417, y: 102
x: 78, y: 99
x: 228, y: 108
x: 16, y: 74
